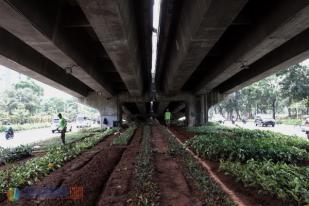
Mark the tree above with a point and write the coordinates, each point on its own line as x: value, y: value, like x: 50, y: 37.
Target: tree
x: 294, y: 84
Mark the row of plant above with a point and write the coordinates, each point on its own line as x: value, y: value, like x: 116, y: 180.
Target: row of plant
x: 8, y: 155
x: 212, y: 193
x: 36, y: 168
x: 20, y: 127
x: 146, y: 188
x: 218, y: 146
x: 216, y: 128
x: 287, y: 182
x: 259, y: 159
x: 125, y: 137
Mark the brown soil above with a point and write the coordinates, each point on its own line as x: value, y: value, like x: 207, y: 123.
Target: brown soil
x: 249, y: 196
x: 174, y: 189
x: 181, y: 133
x: 90, y: 170
x: 121, y: 181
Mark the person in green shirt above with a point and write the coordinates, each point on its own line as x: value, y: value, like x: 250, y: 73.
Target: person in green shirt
x: 62, y: 127
x: 167, y: 117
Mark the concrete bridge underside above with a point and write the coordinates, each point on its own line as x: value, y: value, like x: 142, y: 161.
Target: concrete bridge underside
x: 100, y: 51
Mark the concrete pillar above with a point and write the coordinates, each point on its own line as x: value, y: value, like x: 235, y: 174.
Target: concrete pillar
x: 192, y: 113
x: 109, y: 108
x: 204, y: 109
x: 197, y: 110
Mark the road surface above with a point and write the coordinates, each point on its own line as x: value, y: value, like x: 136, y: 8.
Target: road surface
x: 28, y: 137
x: 281, y: 128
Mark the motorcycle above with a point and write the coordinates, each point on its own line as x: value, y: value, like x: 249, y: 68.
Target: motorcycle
x: 9, y: 133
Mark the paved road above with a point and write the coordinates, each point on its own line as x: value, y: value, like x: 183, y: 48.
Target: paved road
x: 28, y: 136
x: 281, y: 128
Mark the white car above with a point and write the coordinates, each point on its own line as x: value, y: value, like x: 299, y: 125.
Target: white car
x: 55, y: 124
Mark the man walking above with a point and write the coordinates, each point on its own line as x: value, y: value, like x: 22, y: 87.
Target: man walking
x: 167, y: 117
x: 62, y: 127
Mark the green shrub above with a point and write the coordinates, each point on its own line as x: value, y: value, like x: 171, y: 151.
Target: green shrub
x: 219, y: 146
x: 287, y: 182
x: 12, y: 154
x: 20, y: 127
x: 290, y: 121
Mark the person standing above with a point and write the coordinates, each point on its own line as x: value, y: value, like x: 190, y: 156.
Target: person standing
x: 167, y: 117
x: 62, y: 127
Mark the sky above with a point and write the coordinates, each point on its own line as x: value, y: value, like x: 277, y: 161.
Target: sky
x: 8, y: 77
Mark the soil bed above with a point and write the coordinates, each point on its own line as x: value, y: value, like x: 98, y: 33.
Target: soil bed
x: 174, y: 189
x: 250, y: 196
x: 120, y: 183
x: 89, y: 171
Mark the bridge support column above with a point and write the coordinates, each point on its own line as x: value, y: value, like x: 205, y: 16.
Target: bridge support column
x: 197, y: 110
x: 109, y: 108
x: 204, y: 109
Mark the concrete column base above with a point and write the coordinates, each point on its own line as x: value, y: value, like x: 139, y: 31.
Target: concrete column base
x: 109, y: 108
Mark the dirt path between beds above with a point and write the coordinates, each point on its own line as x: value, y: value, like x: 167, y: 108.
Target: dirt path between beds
x: 174, y: 189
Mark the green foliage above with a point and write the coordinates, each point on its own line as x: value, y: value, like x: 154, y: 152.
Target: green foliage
x: 287, y: 182
x: 23, y: 102
x: 9, y: 155
x: 242, y: 144
x: 124, y: 138
x: 146, y: 189
x: 274, y: 93
x: 32, y: 170
x: 69, y: 138
x: 21, y: 127
x: 212, y: 193
x: 290, y: 121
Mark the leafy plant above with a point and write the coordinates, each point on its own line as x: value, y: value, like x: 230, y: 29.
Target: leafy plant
x: 32, y: 170
x: 146, y: 188
x: 234, y: 148
x: 213, y: 195
x: 125, y: 137
x: 8, y: 155
x: 287, y: 182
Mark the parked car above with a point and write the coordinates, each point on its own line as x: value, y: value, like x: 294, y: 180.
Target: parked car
x: 305, y: 127
x: 55, y: 124
x: 218, y: 118
x: 264, y: 121
x: 82, y: 121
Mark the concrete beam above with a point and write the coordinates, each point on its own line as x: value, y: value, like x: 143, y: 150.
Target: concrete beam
x: 115, y: 25
x: 294, y: 51
x: 272, y: 30
x: 141, y: 108
x: 20, y: 57
x: 201, y: 25
x: 31, y: 25
x: 180, y: 107
x: 161, y: 108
